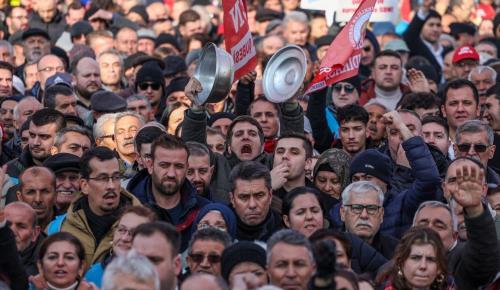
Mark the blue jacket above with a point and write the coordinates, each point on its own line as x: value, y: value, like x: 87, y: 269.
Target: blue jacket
x: 191, y: 203
x: 399, y: 208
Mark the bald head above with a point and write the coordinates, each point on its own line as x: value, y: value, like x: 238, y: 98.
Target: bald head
x: 48, y: 66
x: 37, y: 187
x: 22, y: 219
x: 24, y: 109
x: 203, y: 281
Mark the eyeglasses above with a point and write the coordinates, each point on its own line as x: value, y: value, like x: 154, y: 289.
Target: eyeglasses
x: 212, y: 258
x: 465, y: 147
x: 347, y: 87
x: 371, y: 209
x: 107, y: 178
x: 367, y: 48
x: 145, y: 86
x: 122, y: 230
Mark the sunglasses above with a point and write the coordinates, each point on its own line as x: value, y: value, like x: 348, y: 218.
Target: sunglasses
x: 347, y: 87
x: 145, y: 86
x: 212, y: 258
x: 465, y: 147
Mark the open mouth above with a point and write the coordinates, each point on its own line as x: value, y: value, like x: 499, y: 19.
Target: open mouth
x: 246, y: 149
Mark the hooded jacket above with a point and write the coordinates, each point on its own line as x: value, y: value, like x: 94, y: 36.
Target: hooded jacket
x: 76, y: 223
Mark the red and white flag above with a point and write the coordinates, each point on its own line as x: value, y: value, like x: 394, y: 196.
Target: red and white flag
x: 237, y: 37
x: 344, y: 54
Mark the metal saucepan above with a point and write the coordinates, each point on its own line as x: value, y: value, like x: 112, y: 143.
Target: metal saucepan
x: 215, y: 72
x: 284, y: 74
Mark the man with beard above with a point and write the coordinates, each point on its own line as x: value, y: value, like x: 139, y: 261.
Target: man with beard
x: 92, y: 215
x: 375, y: 128
x: 7, y: 115
x: 37, y: 187
x: 66, y: 167
x: 48, y: 17
x: 17, y: 19
x: 36, y: 43
x: 166, y: 190
x: 43, y: 127
x: 200, y: 171
x: 87, y: 81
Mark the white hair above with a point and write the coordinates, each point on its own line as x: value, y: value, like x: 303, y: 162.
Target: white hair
x: 98, y: 132
x: 437, y: 204
x: 131, y: 265
x: 480, y: 69
x: 362, y: 187
x: 295, y: 16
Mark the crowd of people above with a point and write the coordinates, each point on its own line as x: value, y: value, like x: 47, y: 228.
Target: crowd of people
x: 115, y: 178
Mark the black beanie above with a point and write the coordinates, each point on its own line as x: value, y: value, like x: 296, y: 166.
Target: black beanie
x: 141, y: 11
x: 243, y: 251
x: 176, y: 85
x: 150, y: 73
x: 373, y: 163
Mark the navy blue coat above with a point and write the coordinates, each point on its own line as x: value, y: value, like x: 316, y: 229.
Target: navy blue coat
x: 399, y: 208
x: 191, y: 203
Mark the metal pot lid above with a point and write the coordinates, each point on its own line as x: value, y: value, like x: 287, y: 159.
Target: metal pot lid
x: 284, y: 73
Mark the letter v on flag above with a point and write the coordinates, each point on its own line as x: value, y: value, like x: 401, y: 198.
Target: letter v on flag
x: 344, y: 54
x: 237, y: 37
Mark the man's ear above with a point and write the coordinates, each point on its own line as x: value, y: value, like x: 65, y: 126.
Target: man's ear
x: 149, y: 165
x: 19, y: 195
x: 308, y: 163
x: 443, y: 111
x: 342, y: 213
x: 84, y: 185
x: 231, y: 198
x: 491, y: 152
x: 177, y: 265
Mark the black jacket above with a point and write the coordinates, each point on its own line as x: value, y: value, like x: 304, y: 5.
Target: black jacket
x: 17, y: 166
x: 364, y: 258
x: 475, y: 262
x: 10, y: 263
x: 385, y: 244
x: 261, y: 232
x: 29, y: 256
x: 417, y: 45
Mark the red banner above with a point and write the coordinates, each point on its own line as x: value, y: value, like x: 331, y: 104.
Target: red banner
x: 237, y: 37
x: 344, y: 54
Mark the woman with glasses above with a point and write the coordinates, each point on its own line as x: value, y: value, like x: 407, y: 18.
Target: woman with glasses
x: 302, y: 210
x: 122, y: 239
x: 418, y: 263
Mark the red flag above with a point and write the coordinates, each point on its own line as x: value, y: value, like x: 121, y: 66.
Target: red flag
x: 237, y: 37
x: 344, y: 54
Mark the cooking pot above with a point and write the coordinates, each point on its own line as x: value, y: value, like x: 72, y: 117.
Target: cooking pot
x: 284, y: 74
x: 215, y: 72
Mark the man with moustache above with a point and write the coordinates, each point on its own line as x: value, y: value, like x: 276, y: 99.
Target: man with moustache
x: 66, y: 167
x: 93, y: 213
x: 37, y: 187
x: 166, y: 190
x: 87, y: 78
x: 127, y: 124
